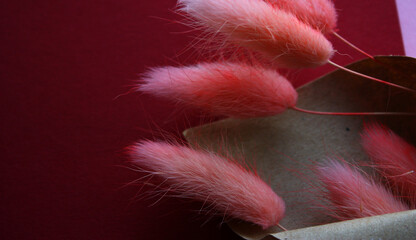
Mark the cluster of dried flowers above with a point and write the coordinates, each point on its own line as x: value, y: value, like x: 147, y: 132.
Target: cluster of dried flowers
x: 287, y: 33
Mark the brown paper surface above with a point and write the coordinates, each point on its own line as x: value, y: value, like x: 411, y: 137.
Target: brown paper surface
x: 285, y: 147
x: 400, y: 225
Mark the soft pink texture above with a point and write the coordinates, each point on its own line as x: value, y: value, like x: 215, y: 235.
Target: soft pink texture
x: 220, y: 183
x: 393, y: 157
x: 257, y: 25
x: 319, y: 14
x: 354, y: 196
x: 230, y: 89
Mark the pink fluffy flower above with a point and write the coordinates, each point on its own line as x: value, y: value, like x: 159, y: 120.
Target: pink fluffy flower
x: 230, y: 89
x: 218, y: 182
x: 258, y: 26
x: 319, y: 14
x: 393, y: 157
x: 354, y: 196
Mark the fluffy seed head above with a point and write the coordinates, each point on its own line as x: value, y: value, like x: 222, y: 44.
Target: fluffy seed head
x: 319, y: 14
x: 230, y: 89
x: 218, y: 182
x: 353, y: 195
x: 257, y: 25
x: 393, y: 157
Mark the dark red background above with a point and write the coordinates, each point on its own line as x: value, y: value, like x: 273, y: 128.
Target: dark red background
x: 63, y: 132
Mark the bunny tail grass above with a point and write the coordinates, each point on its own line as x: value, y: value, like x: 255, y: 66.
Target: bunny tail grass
x: 319, y: 14
x: 258, y: 26
x: 228, y: 89
x: 393, y: 157
x: 221, y: 183
x: 354, y: 196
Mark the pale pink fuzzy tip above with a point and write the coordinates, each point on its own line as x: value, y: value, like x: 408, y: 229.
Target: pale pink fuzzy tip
x: 393, y: 157
x: 229, y: 89
x: 354, y: 196
x: 319, y: 14
x: 217, y: 182
x: 258, y: 26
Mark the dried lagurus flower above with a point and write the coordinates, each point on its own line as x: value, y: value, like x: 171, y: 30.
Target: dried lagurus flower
x: 229, y: 89
x: 258, y: 26
x: 393, y: 157
x: 220, y: 183
x: 352, y: 195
